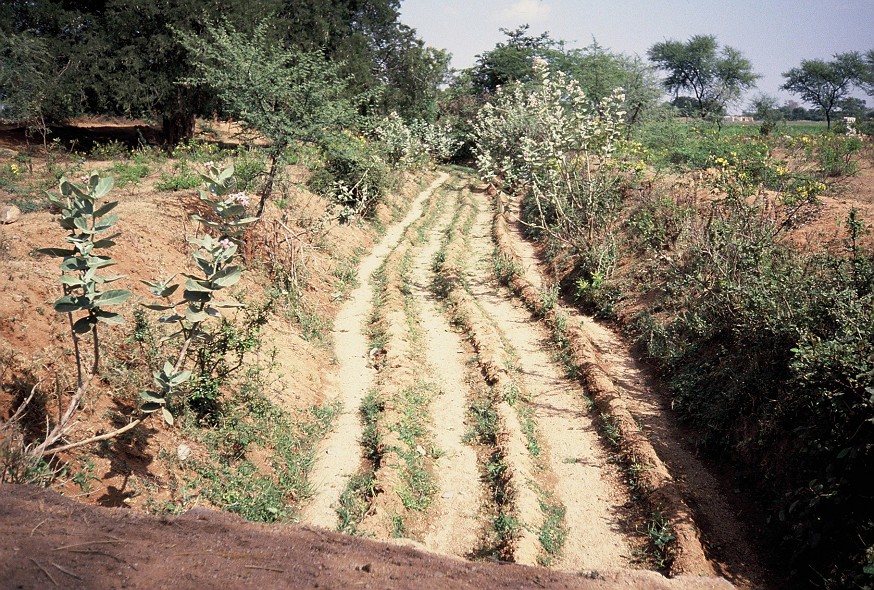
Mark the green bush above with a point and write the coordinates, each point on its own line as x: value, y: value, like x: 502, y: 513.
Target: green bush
x: 770, y: 356
x: 353, y: 173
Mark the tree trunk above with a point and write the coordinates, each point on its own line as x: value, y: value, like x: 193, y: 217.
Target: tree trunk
x: 177, y: 127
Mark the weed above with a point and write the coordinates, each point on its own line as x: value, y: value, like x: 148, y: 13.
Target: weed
x: 553, y: 531
x: 126, y: 173
x: 355, y: 501
x: 85, y: 475
x: 661, y: 538
x: 184, y: 179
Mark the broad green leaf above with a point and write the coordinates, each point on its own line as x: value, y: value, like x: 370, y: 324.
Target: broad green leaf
x: 226, y: 277
x: 168, y: 417
x: 71, y: 303
x: 105, y: 223
x: 82, y: 325
x: 113, y: 297
x: 195, y: 285
x: 194, y: 315
x: 226, y: 174
x: 104, y: 186
x: 170, y: 319
x: 203, y: 221
x: 104, y: 244
x: 205, y: 266
x: 244, y: 221
x: 149, y: 407
x: 81, y: 224
x: 180, y: 378
x: 71, y: 280
x: 167, y: 369
x: 151, y: 396
x: 108, y: 317
x: 73, y: 263
x: 196, y: 296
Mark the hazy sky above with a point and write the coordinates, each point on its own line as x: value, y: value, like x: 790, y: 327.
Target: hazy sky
x: 774, y: 35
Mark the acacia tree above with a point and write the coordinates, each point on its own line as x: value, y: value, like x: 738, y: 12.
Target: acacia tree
x: 716, y: 78
x: 286, y: 95
x: 825, y: 83
x: 512, y: 60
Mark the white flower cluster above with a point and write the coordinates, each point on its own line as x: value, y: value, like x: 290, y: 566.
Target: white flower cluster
x: 416, y: 143
x: 240, y: 198
x: 548, y: 140
x: 529, y: 133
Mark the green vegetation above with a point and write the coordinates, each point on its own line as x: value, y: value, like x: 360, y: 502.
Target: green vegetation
x: 715, y: 77
x: 229, y: 479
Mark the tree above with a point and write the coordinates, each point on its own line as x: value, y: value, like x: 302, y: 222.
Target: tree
x: 27, y: 82
x: 124, y: 57
x: 286, y: 95
x: 513, y: 60
x: 866, y: 80
x: 823, y: 83
x: 715, y: 78
x: 600, y: 71
x: 764, y: 109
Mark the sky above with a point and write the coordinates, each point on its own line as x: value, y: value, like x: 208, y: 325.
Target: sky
x: 775, y: 35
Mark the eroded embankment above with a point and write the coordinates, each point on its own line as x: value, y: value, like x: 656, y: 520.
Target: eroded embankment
x: 677, y: 485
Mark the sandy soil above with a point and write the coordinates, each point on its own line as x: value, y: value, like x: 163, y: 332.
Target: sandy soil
x: 584, y: 482
x: 339, y: 455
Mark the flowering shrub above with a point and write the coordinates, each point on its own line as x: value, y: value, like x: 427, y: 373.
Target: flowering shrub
x: 550, y: 143
x: 415, y: 144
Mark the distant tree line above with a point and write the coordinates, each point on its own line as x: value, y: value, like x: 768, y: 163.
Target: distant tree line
x: 63, y: 58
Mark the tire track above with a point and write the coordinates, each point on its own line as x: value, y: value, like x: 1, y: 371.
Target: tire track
x: 572, y: 452
x: 338, y: 457
x: 456, y: 523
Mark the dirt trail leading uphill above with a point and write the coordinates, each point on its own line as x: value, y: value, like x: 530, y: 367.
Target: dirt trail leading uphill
x: 456, y: 524
x: 585, y: 484
x: 339, y: 455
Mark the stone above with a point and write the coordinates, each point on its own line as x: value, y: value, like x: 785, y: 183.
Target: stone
x: 9, y: 214
x: 183, y: 452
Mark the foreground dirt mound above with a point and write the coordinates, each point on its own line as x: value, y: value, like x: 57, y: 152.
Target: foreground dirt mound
x: 49, y: 541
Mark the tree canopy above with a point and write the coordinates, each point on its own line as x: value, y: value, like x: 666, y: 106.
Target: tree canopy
x: 716, y: 78
x: 825, y: 83
x: 125, y: 57
x: 598, y: 70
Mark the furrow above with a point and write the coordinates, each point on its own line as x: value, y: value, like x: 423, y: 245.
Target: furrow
x: 339, y: 456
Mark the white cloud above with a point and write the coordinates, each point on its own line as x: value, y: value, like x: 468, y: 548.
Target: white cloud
x: 527, y: 11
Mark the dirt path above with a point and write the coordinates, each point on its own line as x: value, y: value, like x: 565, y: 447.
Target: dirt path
x: 339, y: 455
x: 456, y: 514
x: 585, y: 484
x: 560, y: 499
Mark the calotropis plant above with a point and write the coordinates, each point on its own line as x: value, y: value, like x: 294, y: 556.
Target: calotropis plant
x: 215, y: 259
x: 548, y: 140
x: 229, y: 207
x: 527, y: 133
x: 86, y: 221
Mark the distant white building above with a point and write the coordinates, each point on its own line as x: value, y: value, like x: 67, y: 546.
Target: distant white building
x: 738, y: 119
